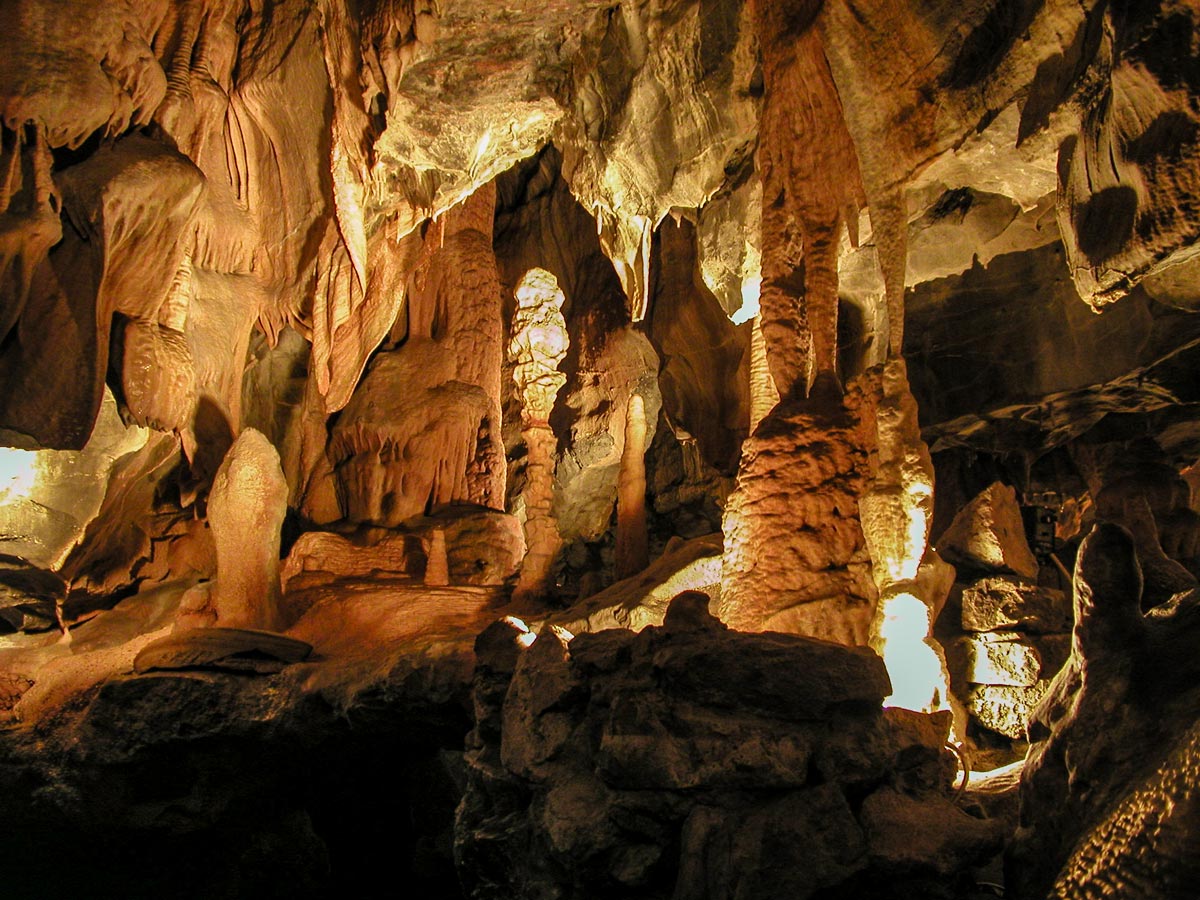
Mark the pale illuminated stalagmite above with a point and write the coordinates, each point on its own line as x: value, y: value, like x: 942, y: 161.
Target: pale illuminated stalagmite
x: 539, y: 343
x: 245, y: 511
x: 896, y: 513
x: 632, y: 550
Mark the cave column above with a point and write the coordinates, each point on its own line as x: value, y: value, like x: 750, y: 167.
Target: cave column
x: 828, y: 525
x: 538, y: 345
x: 795, y: 558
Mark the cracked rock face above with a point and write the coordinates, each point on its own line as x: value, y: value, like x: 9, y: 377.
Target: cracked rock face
x: 618, y: 762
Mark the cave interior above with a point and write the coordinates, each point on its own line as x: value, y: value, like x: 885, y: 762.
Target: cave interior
x: 573, y: 450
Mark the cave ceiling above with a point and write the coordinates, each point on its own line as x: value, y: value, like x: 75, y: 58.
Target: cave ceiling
x: 291, y: 145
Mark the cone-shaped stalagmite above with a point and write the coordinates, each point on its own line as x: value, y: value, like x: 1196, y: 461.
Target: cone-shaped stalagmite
x: 245, y: 511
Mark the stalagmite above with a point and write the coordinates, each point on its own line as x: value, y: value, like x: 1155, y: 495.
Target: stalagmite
x: 632, y: 551
x: 896, y: 514
x: 437, y: 566
x: 795, y: 559
x: 539, y: 344
x: 245, y: 511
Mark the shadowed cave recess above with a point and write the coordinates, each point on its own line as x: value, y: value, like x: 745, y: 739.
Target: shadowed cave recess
x: 578, y: 450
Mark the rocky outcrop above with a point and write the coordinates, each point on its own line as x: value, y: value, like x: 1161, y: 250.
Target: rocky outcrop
x: 697, y: 762
x: 184, y: 780
x: 988, y: 534
x: 1103, y: 804
x: 642, y: 600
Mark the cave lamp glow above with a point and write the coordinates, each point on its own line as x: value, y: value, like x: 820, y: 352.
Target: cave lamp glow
x: 18, y: 474
x: 751, y: 291
x: 914, y: 667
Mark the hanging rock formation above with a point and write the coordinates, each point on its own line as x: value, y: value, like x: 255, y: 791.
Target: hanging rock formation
x: 423, y: 428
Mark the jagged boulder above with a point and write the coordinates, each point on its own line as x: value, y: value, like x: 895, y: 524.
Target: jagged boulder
x: 693, y: 761
x: 988, y: 534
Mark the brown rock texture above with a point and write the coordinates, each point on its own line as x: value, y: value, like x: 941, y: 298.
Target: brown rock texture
x: 811, y: 187
x: 999, y: 602
x: 795, y: 558
x: 423, y: 429
x: 482, y: 547
x: 260, y: 264
x: 988, y: 534
x: 1119, y: 718
x: 245, y: 510
x: 619, y: 762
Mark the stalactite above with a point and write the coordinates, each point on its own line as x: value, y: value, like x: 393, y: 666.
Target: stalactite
x: 29, y: 218
x: 763, y: 393
x: 807, y: 159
